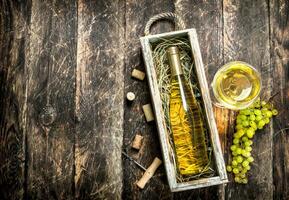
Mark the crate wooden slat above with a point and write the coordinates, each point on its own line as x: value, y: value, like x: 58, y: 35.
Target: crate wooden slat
x: 159, y: 114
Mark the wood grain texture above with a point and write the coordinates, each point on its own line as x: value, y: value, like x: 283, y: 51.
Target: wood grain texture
x: 279, y: 34
x: 206, y: 17
x: 51, y: 64
x: 59, y: 59
x: 14, y: 17
x: 246, y: 38
x: 137, y: 14
x: 99, y: 99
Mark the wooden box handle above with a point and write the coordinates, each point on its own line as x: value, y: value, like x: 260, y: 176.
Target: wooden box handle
x: 179, y: 23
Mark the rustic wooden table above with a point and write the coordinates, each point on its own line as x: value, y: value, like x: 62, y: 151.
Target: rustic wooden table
x: 65, y: 69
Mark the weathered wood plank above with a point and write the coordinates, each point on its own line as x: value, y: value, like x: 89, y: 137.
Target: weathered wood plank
x: 246, y: 38
x: 279, y: 32
x: 137, y: 15
x: 206, y: 17
x: 99, y: 99
x: 14, y: 17
x: 51, y: 65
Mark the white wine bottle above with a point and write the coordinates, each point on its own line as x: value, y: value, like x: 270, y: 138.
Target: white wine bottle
x: 187, y: 125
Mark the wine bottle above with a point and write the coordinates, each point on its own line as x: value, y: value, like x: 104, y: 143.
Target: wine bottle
x: 186, y: 121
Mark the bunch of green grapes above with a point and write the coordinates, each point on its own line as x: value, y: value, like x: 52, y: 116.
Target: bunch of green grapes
x: 249, y: 120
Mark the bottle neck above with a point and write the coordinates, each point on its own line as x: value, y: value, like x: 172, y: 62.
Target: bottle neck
x: 176, y: 68
x: 174, y: 61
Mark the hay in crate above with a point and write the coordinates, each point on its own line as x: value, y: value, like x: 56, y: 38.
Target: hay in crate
x: 163, y: 80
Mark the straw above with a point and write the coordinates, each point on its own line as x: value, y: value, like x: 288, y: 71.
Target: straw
x: 163, y: 80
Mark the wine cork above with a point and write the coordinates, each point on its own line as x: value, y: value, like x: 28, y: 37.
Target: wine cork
x: 138, y: 74
x: 137, y: 142
x: 130, y: 96
x: 149, y: 173
x: 149, y: 115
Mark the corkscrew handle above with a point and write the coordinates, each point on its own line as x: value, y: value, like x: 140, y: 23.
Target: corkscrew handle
x: 179, y: 23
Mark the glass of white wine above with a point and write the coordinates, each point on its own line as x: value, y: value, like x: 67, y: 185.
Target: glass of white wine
x: 236, y: 85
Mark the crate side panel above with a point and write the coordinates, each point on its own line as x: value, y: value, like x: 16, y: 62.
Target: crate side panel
x: 157, y: 106
x: 207, y: 104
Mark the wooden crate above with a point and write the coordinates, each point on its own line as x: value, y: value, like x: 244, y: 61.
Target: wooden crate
x: 175, y: 186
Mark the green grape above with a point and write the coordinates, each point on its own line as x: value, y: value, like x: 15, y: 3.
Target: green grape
x: 275, y: 112
x: 260, y: 127
x: 253, y: 125
x: 235, y: 171
x: 263, y: 110
x: 268, y: 105
x: 236, y: 135
x: 263, y: 103
x: 234, y: 163
x: 239, y: 159
x: 241, y: 132
x: 246, y: 154
x: 238, y: 151
x: 248, y: 149
x: 257, y: 112
x: 245, y: 163
x: 247, y: 143
x: 268, y: 114
x: 240, y: 168
x: 267, y: 120
x: 236, y: 141
x: 239, y: 121
x: 229, y: 168
x: 258, y: 118
x: 239, y: 117
x: 261, y: 123
x: 242, y: 175
x: 247, y: 112
x: 237, y: 179
x: 250, y: 132
x: 245, y: 181
x: 250, y: 159
x: 245, y: 139
x: 245, y: 123
x: 239, y: 126
x: 257, y: 104
x: 250, y: 135
x: 233, y: 147
x: 241, y: 112
x: 243, y: 117
x: 252, y: 117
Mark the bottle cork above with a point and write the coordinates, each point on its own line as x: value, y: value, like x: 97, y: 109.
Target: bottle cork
x: 149, y: 115
x: 137, y: 142
x: 149, y: 173
x: 138, y: 74
x: 130, y: 96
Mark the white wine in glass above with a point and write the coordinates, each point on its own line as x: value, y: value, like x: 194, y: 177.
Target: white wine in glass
x: 236, y: 85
